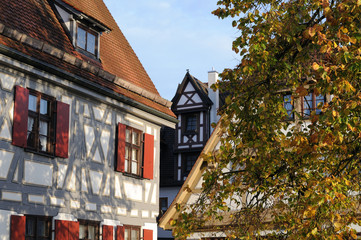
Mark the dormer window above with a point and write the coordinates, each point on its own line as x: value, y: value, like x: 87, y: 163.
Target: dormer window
x: 87, y: 40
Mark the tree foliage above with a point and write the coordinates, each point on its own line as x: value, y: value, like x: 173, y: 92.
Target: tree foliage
x: 295, y: 179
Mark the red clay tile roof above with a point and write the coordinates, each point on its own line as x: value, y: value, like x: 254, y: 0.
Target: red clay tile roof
x: 36, y: 19
x: 125, y: 64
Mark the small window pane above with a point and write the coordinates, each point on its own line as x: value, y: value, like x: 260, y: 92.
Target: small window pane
x: 135, y: 154
x: 91, y: 43
x: 41, y: 232
x: 91, y: 232
x: 191, y: 123
x: 31, y: 126
x: 127, y: 135
x: 43, y: 143
x: 134, y: 234
x: 126, y: 164
x: 126, y: 234
x: 43, y: 128
x: 30, y: 227
x: 135, y: 139
x: 320, y: 100
x: 288, y: 105
x: 43, y: 107
x: 82, y: 231
x: 134, y: 168
x: 126, y: 153
x: 31, y: 133
x: 32, y: 103
x: 81, y: 38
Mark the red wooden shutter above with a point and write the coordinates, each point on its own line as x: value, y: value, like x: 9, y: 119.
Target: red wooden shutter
x: 73, y: 230
x: 66, y: 230
x: 120, y: 148
x: 120, y: 233
x: 20, y: 125
x: 17, y: 227
x: 147, y: 234
x: 107, y: 232
x: 62, y: 130
x: 148, y: 156
x: 61, y: 230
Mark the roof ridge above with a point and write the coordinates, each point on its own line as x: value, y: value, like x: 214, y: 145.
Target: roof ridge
x: 87, y: 66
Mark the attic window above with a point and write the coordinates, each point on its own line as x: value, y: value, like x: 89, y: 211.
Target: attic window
x: 87, y: 40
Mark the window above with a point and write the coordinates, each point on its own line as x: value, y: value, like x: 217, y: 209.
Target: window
x: 188, y: 162
x: 135, y: 152
x: 163, y: 205
x: 40, y: 132
x: 87, y: 39
x: 133, y: 147
x: 190, y: 123
x: 288, y: 105
x: 88, y: 230
x: 41, y: 124
x: 310, y: 103
x: 38, y: 227
x: 131, y: 233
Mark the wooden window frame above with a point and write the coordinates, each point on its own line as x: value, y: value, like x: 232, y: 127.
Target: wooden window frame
x: 37, y: 116
x: 128, y: 228
x: 48, y: 222
x: 87, y: 31
x: 314, y: 104
x: 88, y: 223
x: 130, y: 146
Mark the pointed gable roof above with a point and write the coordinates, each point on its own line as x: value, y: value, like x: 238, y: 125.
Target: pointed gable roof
x: 31, y: 27
x: 199, y: 87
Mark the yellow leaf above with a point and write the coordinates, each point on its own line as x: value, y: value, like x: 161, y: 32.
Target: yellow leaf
x: 315, y: 66
x: 311, y: 32
x: 358, y: 2
x: 324, y: 49
x: 338, y: 225
x: 314, y: 231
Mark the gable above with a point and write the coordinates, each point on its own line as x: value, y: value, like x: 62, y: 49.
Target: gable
x: 191, y: 94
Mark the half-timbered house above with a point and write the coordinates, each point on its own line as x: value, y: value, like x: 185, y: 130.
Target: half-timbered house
x: 80, y: 124
x: 195, y: 105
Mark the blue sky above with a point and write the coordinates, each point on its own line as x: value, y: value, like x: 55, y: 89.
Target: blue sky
x: 170, y: 36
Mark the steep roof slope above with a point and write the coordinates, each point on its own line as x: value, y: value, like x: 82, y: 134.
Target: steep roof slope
x: 125, y: 64
x: 31, y: 27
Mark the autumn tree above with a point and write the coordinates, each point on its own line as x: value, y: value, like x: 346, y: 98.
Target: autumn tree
x: 291, y: 172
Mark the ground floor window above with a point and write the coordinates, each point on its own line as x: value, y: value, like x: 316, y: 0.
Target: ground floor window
x: 131, y: 232
x: 37, y: 227
x: 88, y: 230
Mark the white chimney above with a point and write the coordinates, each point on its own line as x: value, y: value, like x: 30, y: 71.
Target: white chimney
x: 214, y: 96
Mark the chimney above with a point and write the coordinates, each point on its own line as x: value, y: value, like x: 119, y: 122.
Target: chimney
x: 214, y: 96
